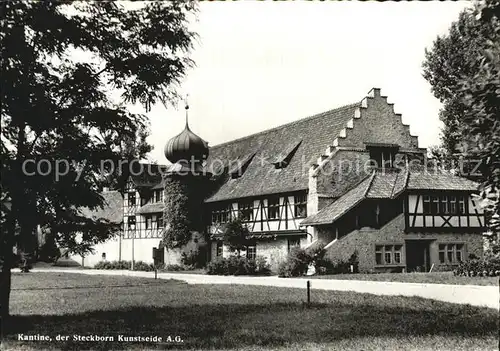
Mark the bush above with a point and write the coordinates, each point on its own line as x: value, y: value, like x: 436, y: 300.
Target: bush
x: 175, y: 268
x: 217, y: 267
x: 489, y: 267
x: 138, y: 266
x: 195, y: 258
x: 143, y: 266
x: 296, y: 263
x: 235, y: 265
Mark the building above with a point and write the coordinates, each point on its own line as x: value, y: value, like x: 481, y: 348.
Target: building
x: 351, y: 179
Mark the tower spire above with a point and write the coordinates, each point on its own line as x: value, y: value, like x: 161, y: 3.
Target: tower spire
x: 186, y: 107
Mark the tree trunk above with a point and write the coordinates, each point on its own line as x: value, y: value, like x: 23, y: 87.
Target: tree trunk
x: 5, y: 274
x: 5, y: 284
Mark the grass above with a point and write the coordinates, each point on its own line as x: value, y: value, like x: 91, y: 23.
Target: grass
x: 236, y: 317
x: 431, y: 278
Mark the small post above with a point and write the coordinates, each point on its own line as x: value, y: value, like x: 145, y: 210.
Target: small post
x: 308, y: 293
x: 156, y: 272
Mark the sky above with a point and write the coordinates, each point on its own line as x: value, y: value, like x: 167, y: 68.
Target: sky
x: 263, y: 64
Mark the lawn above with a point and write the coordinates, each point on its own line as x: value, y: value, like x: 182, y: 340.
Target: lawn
x: 433, y: 278
x: 235, y: 317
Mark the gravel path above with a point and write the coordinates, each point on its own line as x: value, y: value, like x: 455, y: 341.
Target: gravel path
x: 487, y: 296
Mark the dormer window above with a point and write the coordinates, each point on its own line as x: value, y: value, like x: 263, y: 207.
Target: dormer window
x: 283, y: 159
x: 237, y: 169
x: 382, y: 155
x: 158, y: 195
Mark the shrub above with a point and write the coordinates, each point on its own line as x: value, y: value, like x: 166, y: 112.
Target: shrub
x: 143, y: 266
x: 296, y: 263
x: 483, y: 268
x: 25, y: 262
x: 175, y: 268
x: 261, y: 266
x: 217, y: 266
x: 235, y: 265
x: 195, y: 258
x: 138, y: 266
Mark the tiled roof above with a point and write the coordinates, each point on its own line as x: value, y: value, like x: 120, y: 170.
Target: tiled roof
x: 439, y: 181
x: 261, y: 176
x: 342, y: 205
x: 149, y: 174
x: 152, y: 208
x: 112, y: 209
x: 388, y: 185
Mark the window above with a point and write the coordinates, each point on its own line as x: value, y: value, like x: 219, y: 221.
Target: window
x: 219, y: 249
x: 453, y: 204
x: 131, y: 222
x: 443, y: 204
x: 159, y: 221
x: 149, y: 221
x: 461, y: 205
x: 435, y: 205
x: 293, y: 243
x: 427, y: 204
x: 246, y: 210
x: 389, y: 254
x: 382, y: 157
x: 251, y: 252
x: 273, y: 207
x: 131, y: 198
x: 451, y: 253
x: 158, y: 195
x: 221, y: 214
x: 300, y: 205
x: 443, y: 207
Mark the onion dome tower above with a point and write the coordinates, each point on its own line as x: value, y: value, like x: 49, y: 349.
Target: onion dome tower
x: 185, y: 188
x: 187, y: 149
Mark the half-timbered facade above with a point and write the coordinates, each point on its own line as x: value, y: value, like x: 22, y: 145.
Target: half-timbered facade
x: 352, y: 179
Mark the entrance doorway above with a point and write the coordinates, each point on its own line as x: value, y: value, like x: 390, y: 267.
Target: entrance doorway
x: 417, y: 256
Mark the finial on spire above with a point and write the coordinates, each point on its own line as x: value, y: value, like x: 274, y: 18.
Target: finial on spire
x: 186, y: 107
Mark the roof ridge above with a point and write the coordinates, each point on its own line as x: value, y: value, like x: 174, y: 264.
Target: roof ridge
x: 369, y: 184
x: 287, y: 124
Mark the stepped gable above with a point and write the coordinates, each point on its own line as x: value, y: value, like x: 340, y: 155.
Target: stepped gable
x: 267, y: 173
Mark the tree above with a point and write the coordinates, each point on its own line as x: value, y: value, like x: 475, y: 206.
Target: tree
x: 62, y: 64
x: 236, y: 235
x: 463, y: 69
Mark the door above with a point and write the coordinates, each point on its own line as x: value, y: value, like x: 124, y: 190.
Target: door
x: 417, y: 256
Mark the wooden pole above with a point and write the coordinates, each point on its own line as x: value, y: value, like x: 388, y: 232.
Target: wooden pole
x: 308, y: 293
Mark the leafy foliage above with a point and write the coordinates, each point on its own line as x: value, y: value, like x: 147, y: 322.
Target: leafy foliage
x: 235, y: 235
x: 235, y: 265
x: 296, y: 263
x: 125, y: 265
x: 68, y: 69
x: 481, y: 268
x: 195, y: 258
x: 463, y: 68
x: 176, y: 214
x: 49, y: 252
